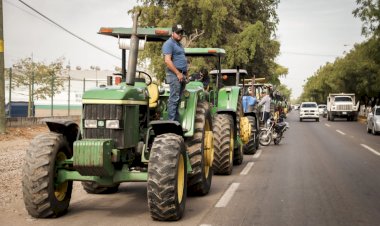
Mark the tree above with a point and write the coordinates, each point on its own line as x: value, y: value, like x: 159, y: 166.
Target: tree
x: 41, y: 80
x: 245, y: 28
x: 357, y: 72
x: 369, y: 12
x: 284, y: 91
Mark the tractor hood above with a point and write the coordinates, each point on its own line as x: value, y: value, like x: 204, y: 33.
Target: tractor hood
x: 123, y: 94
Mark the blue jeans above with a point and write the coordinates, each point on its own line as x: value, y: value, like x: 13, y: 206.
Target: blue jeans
x: 266, y: 117
x: 176, y: 89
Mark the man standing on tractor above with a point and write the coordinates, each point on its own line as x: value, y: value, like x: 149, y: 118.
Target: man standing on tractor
x: 176, y: 69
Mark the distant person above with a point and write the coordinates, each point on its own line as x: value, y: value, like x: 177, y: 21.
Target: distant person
x: 176, y: 69
x: 201, y: 76
x: 265, y: 101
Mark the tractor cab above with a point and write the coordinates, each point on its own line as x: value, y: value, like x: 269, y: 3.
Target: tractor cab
x: 231, y: 77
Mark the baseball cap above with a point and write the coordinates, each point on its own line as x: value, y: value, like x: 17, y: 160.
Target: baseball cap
x: 178, y: 28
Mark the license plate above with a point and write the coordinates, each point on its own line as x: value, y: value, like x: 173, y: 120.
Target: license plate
x: 345, y: 113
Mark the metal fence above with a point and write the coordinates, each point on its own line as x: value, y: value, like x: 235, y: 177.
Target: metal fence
x: 66, y: 103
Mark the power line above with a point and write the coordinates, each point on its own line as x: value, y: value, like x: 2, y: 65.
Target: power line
x: 309, y: 54
x: 71, y: 33
x: 27, y: 12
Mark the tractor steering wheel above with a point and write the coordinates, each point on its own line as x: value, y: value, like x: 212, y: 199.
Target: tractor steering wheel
x: 145, y: 75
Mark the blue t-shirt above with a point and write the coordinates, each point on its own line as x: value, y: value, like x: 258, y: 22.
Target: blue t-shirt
x: 174, y: 48
x: 248, y: 101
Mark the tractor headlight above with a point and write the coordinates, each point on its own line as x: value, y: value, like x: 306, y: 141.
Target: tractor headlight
x: 113, y: 124
x: 89, y: 123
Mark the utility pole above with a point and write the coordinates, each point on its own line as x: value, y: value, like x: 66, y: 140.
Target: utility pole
x: 2, y: 80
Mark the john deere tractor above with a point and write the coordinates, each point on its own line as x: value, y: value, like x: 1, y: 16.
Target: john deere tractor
x: 252, y: 113
x: 231, y: 129
x: 124, y: 137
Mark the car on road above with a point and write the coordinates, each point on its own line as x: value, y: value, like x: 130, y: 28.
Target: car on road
x: 373, y: 121
x: 321, y: 107
x: 324, y: 113
x: 309, y: 110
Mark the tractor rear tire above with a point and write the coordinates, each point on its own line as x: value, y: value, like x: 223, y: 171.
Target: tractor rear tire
x: 199, y: 181
x: 250, y: 147
x: 95, y: 188
x: 238, y: 152
x: 223, y: 144
x: 167, y: 178
x: 42, y: 197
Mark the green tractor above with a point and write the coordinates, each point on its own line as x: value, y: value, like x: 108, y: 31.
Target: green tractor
x: 232, y: 130
x: 253, y: 113
x: 124, y: 137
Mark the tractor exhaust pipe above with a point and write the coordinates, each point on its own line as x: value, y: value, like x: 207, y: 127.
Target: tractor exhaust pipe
x: 133, y: 52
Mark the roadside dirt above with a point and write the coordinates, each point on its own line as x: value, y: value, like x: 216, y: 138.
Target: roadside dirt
x: 12, y: 150
x: 13, y: 145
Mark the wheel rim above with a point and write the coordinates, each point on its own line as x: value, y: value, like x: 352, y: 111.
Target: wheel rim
x: 208, y: 152
x: 181, y: 178
x: 61, y: 189
x: 265, y: 137
x: 245, y: 129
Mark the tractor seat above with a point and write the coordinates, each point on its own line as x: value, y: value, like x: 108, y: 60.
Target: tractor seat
x: 153, y: 95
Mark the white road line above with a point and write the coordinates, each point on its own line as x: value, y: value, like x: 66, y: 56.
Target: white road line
x: 327, y: 125
x: 223, y: 201
x: 257, y: 155
x: 370, y: 149
x: 340, y: 132
x: 205, y: 225
x: 247, y: 168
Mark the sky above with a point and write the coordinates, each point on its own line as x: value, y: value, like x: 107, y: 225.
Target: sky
x: 311, y: 33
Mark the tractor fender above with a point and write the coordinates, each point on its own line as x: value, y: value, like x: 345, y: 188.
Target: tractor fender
x: 166, y: 126
x: 228, y: 98
x: 67, y: 128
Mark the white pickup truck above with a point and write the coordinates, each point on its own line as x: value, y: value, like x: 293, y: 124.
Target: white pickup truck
x: 342, y: 105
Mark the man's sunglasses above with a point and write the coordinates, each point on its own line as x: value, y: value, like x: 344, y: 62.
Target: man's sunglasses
x: 180, y: 32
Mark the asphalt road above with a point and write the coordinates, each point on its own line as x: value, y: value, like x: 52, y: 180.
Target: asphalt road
x: 322, y: 173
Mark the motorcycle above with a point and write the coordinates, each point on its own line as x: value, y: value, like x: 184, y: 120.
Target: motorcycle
x: 274, y: 130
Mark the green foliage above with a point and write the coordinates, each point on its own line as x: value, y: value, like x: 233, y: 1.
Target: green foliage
x: 284, y: 91
x: 245, y: 28
x: 27, y: 73
x: 369, y: 12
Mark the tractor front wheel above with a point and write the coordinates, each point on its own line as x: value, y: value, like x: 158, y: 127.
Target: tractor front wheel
x: 223, y: 144
x: 43, y: 196
x: 167, y: 178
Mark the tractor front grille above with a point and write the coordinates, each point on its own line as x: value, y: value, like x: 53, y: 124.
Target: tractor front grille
x: 104, y: 112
